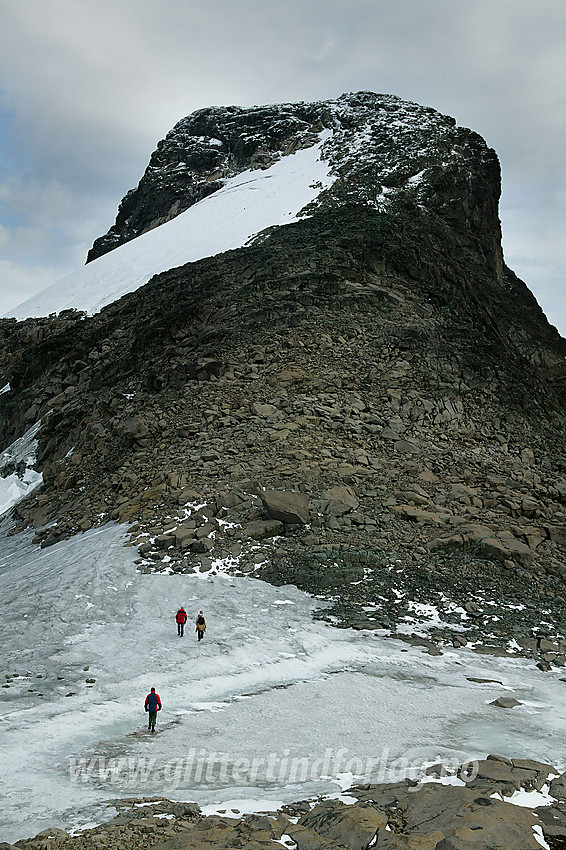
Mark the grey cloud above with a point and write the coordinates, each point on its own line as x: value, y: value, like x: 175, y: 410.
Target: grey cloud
x: 94, y: 86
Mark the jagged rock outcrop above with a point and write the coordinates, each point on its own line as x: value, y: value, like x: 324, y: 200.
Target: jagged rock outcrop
x: 375, y: 360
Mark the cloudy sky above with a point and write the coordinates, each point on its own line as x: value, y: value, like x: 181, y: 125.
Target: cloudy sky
x: 88, y: 87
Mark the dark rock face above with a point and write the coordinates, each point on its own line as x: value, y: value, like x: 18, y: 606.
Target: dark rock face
x: 375, y: 357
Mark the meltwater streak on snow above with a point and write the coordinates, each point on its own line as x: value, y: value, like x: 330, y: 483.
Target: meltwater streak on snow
x: 246, y: 205
x: 266, y: 679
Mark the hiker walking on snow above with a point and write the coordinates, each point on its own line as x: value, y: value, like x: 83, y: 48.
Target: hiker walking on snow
x: 200, y: 625
x: 181, y: 619
x: 152, y: 706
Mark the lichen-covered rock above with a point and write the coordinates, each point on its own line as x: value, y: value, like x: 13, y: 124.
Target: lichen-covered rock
x: 353, y: 827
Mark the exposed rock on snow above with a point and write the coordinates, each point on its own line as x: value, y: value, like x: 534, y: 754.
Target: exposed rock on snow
x: 506, y: 702
x: 433, y: 815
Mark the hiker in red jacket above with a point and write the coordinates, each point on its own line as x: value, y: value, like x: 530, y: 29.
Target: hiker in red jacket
x: 181, y: 619
x: 152, y: 706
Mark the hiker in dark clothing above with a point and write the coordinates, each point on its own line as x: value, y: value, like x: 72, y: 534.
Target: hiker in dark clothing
x: 200, y: 625
x: 152, y: 706
x: 181, y: 619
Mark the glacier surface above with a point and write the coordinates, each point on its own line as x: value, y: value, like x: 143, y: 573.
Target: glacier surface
x: 271, y: 706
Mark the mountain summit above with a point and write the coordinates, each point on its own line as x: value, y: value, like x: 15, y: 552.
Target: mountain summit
x: 378, y: 147
x: 226, y: 174
x: 302, y: 356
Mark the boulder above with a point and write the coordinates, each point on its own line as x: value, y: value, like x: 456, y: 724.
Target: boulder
x: 419, y: 515
x: 538, y: 766
x: 286, y: 506
x: 511, y: 775
x: 205, y: 530
x: 187, y: 496
x: 263, y: 410
x: 182, y: 534
x: 532, y: 535
x: 353, y: 826
x: 390, y: 434
x: 259, y: 529
x: 557, y: 534
x: 308, y: 839
x: 460, y: 491
x: 164, y: 541
x: 412, y: 496
x: 340, y: 496
x: 227, y: 500
x: 553, y: 822
x: 136, y: 428
x: 199, y: 547
x: 451, y: 543
x: 428, y: 476
x: 208, y: 368
x: 515, y: 550
x: 491, y: 547
x: 505, y: 702
x: 501, y: 546
x: 406, y: 447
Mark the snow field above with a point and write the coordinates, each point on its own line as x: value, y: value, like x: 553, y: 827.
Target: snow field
x: 227, y: 219
x: 270, y: 705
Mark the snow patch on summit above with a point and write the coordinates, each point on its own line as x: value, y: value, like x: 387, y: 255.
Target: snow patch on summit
x: 245, y: 206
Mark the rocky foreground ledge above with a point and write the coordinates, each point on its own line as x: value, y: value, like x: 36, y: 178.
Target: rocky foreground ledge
x: 474, y: 812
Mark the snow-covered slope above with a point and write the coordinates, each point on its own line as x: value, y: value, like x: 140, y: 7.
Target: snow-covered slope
x: 246, y: 205
x: 337, y: 699
x: 18, y: 478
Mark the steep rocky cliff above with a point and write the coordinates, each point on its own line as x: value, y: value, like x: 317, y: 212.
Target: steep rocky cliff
x: 365, y: 402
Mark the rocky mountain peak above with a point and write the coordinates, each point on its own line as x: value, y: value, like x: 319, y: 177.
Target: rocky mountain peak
x: 359, y: 399
x: 363, y: 402
x: 379, y: 146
